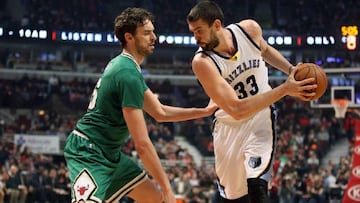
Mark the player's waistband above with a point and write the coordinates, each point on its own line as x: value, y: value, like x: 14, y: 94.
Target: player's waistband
x: 76, y: 132
x: 223, y: 117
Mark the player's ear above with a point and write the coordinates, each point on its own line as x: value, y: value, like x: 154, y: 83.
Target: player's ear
x: 128, y: 36
x: 217, y: 24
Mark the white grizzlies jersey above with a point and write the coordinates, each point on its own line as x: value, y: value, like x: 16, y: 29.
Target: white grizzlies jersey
x: 243, y: 148
x: 245, y: 71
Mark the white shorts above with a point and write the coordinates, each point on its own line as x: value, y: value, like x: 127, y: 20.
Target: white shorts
x: 244, y: 150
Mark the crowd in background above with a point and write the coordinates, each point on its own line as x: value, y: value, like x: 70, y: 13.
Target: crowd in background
x: 293, y: 16
x: 276, y: 16
x: 53, y: 106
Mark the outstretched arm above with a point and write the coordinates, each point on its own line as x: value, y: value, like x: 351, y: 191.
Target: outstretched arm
x: 165, y: 113
x: 136, y: 124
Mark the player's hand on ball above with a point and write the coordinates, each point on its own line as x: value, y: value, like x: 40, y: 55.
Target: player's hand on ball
x: 311, y: 70
x: 302, y: 89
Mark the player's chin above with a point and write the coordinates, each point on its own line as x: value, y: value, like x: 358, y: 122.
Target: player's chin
x: 202, y: 45
x: 149, y: 51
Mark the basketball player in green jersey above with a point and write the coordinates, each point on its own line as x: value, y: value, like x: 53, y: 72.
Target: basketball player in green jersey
x: 99, y: 171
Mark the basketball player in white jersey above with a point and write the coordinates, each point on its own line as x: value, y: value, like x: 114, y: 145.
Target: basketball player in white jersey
x: 230, y: 65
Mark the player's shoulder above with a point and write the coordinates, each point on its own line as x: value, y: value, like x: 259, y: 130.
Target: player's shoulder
x: 248, y: 22
x: 201, y: 58
x: 251, y: 27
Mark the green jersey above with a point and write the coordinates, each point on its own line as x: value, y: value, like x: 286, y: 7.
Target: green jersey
x: 121, y: 85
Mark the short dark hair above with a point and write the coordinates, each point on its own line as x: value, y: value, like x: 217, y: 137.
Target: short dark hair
x: 129, y: 20
x: 207, y: 11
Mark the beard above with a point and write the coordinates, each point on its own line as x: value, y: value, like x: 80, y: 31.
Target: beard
x: 214, y: 42
x: 144, y: 50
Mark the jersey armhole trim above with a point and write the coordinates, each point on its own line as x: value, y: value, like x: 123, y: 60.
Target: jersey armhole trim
x: 247, y: 36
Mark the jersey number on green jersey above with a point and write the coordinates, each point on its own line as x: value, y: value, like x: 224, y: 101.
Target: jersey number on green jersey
x: 94, y: 95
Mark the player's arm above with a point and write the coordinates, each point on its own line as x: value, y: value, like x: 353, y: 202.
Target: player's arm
x: 269, y: 54
x: 137, y: 127
x: 225, y: 97
x: 163, y: 113
x: 216, y: 87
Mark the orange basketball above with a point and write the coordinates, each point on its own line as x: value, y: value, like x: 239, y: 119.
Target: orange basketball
x: 311, y: 70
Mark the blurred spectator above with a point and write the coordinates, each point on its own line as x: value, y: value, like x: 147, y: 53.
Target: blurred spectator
x: 317, y: 190
x: 182, y: 184
x: 301, y: 189
x: 62, y: 187
x: 53, y: 85
x: 2, y: 123
x: 313, y: 161
x: 16, y: 186
x: 323, y: 138
x: 286, y: 190
x: 196, y: 195
x: 350, y: 126
x: 329, y: 180
x: 3, y: 178
x: 40, y: 186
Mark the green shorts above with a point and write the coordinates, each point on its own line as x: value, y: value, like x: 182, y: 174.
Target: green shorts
x: 94, y: 177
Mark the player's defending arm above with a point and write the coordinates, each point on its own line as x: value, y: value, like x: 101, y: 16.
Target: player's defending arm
x: 163, y: 113
x: 137, y: 127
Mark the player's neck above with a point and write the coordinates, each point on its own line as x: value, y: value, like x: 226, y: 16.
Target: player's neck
x: 137, y: 58
x: 226, y: 45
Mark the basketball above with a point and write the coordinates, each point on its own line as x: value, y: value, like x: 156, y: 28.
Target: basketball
x: 311, y: 70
